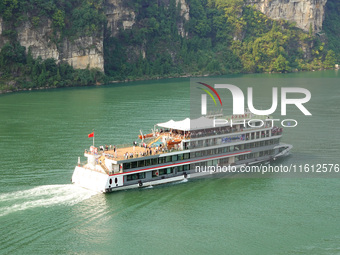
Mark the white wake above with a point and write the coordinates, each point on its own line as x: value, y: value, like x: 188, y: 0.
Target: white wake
x: 42, y: 196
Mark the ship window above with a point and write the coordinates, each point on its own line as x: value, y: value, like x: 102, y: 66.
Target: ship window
x: 223, y: 161
x: 132, y: 177
x: 197, y: 154
x: 147, y: 162
x: 174, y: 158
x: 220, y: 150
x: 116, y: 180
x: 257, y: 144
x: 162, y: 171
x: 179, y: 168
x: 180, y: 157
x: 261, y: 153
x: 169, y: 170
x: 246, y: 146
x: 141, y: 163
x: 161, y: 160
x: 261, y: 143
x: 186, y: 167
x: 232, y: 148
x: 110, y: 181
x: 140, y: 175
x: 204, y: 153
x: 186, y: 155
x: 134, y: 164
x: 154, y: 161
x: 226, y: 149
x: 126, y: 165
x: 252, y: 135
x: 193, y: 144
x: 168, y: 159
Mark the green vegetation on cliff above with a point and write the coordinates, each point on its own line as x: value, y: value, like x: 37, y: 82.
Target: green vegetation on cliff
x: 331, y: 26
x: 23, y: 70
x: 70, y: 18
x: 224, y: 36
x: 221, y: 37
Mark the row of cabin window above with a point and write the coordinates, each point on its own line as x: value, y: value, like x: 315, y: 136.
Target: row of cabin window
x: 218, y: 141
x: 167, y: 159
x: 171, y: 170
x: 225, y: 161
x: 155, y: 161
x: 233, y: 148
x: 157, y: 173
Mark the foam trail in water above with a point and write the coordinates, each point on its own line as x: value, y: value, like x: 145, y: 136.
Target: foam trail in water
x: 42, y: 196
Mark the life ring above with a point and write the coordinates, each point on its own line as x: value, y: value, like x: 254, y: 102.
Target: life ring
x: 156, y: 173
x: 140, y: 183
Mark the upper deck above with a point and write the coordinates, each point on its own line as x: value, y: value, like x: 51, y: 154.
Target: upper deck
x: 172, y: 140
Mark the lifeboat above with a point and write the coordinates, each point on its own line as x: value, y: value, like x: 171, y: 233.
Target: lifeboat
x: 145, y: 136
x: 174, y: 141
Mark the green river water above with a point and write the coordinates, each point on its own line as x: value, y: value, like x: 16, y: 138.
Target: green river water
x: 42, y: 133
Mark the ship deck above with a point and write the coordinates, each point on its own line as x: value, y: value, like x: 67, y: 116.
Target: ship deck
x: 138, y: 151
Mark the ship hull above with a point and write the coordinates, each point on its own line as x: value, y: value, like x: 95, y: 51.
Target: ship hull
x: 104, y: 183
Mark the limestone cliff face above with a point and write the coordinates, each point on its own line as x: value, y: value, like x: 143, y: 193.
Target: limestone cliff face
x: 81, y: 53
x: 302, y: 12
x: 86, y: 51
x: 118, y: 17
x: 185, y: 16
x: 38, y: 39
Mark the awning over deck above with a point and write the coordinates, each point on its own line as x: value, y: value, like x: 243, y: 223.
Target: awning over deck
x: 188, y: 124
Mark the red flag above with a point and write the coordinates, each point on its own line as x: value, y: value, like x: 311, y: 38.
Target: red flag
x: 91, y: 135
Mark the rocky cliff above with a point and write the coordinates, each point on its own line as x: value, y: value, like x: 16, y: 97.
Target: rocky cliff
x: 118, y: 17
x: 304, y: 13
x: 82, y: 52
x: 87, y: 51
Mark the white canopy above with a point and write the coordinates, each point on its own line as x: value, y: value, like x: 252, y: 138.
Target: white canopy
x: 187, y: 124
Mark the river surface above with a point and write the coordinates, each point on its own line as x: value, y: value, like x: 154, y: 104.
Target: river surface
x: 42, y: 133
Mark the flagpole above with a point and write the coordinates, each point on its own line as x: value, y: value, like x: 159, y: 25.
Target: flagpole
x: 93, y: 137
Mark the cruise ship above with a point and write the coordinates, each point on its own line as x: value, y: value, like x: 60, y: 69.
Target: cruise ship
x: 179, y: 150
